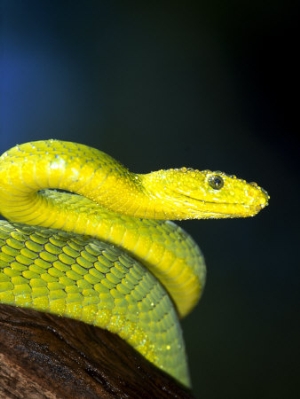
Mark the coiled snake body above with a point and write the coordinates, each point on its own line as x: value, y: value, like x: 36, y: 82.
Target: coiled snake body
x: 104, y: 252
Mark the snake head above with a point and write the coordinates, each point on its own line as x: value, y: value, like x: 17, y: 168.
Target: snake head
x: 187, y: 193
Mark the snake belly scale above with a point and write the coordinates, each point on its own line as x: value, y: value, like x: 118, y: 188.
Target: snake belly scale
x: 104, y: 252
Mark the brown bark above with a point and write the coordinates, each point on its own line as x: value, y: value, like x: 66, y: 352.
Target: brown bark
x: 44, y: 356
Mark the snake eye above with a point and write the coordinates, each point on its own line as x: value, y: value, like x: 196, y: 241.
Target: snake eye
x: 216, y: 182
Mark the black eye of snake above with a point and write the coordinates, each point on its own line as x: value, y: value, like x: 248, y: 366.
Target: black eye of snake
x: 216, y: 182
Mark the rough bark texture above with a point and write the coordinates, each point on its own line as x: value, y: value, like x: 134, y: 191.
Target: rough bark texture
x: 43, y: 356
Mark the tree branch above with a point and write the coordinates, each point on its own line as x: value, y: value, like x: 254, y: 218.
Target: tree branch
x: 44, y: 356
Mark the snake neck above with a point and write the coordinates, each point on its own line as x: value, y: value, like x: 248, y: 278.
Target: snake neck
x: 28, y: 169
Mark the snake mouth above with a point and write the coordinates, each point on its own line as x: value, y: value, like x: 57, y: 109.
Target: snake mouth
x: 214, y: 209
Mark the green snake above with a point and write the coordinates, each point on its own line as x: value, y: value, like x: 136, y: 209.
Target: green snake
x: 88, y: 239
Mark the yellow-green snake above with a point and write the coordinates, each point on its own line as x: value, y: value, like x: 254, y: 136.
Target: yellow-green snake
x: 88, y: 239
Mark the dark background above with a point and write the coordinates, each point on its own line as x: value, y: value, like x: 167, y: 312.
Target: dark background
x: 206, y: 84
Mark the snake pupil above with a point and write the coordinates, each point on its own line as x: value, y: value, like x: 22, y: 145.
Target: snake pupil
x: 216, y: 182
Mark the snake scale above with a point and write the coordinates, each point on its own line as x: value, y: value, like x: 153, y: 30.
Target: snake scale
x: 87, y: 239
